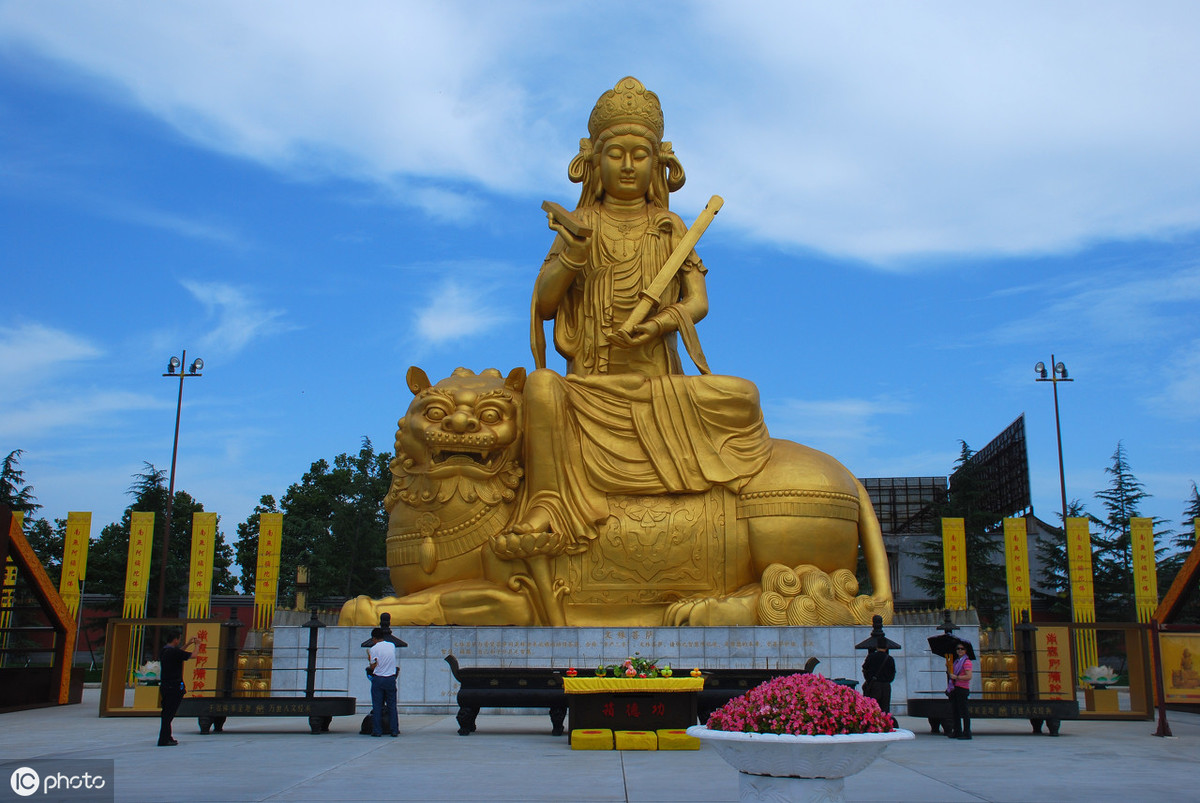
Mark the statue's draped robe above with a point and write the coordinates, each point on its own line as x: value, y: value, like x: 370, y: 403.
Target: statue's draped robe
x: 628, y: 421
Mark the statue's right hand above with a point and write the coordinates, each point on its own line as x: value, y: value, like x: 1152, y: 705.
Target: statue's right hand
x: 575, y: 249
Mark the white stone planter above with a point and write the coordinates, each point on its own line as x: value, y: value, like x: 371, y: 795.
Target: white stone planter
x: 775, y: 767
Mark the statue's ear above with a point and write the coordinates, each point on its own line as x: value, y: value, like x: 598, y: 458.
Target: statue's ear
x: 515, y: 380
x: 417, y: 380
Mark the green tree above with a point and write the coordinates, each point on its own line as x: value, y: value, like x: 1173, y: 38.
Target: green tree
x: 48, y: 543
x: 246, y: 551
x: 1054, y: 582
x: 1112, y: 546
x: 984, y: 541
x: 1169, y: 567
x: 333, y: 523
x: 1185, y: 539
x: 14, y: 491
x: 46, y: 540
x: 110, y: 552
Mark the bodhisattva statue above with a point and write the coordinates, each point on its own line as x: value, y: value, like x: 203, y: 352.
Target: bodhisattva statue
x: 624, y: 492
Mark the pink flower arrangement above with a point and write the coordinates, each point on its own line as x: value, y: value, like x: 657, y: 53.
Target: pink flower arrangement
x: 801, y: 705
x: 634, y: 667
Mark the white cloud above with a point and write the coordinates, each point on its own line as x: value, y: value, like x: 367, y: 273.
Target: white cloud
x: 886, y: 133
x: 1111, y: 307
x: 182, y: 225
x: 80, y: 409
x: 373, y: 89
x: 32, y: 350
x: 842, y: 427
x: 456, y: 311
x: 908, y: 129
x: 239, y: 319
x: 1180, y: 383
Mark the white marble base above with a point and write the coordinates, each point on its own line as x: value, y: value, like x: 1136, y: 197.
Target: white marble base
x: 765, y: 789
x: 426, y: 685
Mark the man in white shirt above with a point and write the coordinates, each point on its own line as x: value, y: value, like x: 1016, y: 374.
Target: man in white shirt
x: 382, y: 656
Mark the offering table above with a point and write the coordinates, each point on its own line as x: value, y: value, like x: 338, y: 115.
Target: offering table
x: 645, y: 704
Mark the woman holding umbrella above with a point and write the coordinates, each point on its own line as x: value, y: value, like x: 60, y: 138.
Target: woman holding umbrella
x: 958, y: 687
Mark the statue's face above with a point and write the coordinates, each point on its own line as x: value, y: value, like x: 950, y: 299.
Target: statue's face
x: 626, y: 166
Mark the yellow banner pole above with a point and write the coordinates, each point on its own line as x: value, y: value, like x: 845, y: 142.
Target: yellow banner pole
x: 1016, y: 558
x: 266, y: 574
x: 954, y: 562
x: 1083, y: 595
x: 137, y: 568
x: 74, y: 566
x: 204, y: 526
x: 1145, y: 575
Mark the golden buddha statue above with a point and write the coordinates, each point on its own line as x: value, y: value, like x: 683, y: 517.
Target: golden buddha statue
x: 648, y: 496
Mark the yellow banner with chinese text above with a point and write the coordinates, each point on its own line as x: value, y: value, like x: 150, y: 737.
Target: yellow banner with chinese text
x: 204, y: 527
x: 1083, y: 595
x: 1016, y: 559
x: 1079, y: 561
x: 1145, y: 575
x: 137, y: 566
x: 954, y: 562
x: 266, y: 574
x: 74, y: 566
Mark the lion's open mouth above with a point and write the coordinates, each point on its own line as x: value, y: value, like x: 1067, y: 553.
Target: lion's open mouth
x: 452, y: 456
x: 477, y: 449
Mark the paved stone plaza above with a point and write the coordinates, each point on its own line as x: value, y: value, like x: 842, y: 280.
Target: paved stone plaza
x: 514, y: 758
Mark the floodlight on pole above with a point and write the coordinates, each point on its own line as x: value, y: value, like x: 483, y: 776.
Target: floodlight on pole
x: 174, y: 369
x: 1056, y: 374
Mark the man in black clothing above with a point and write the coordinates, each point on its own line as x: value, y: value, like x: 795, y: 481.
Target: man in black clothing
x: 171, y: 688
x: 879, y: 670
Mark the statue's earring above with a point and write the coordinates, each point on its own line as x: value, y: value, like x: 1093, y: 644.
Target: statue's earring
x: 577, y: 170
x: 675, y: 175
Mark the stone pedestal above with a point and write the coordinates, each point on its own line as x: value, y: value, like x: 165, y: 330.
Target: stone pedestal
x: 427, y: 687
x: 1101, y: 700
x: 145, y: 697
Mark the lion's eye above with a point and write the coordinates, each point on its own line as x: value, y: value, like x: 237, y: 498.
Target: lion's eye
x: 490, y: 416
x: 435, y: 413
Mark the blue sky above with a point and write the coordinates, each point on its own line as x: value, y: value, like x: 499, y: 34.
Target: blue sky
x: 921, y: 201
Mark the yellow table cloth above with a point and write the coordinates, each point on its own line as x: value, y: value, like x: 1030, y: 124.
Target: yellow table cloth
x: 609, y: 685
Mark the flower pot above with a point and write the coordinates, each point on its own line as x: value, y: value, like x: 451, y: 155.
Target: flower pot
x: 783, y: 767
x: 145, y: 697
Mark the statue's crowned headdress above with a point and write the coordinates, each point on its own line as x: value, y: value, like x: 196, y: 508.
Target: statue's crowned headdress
x: 627, y: 102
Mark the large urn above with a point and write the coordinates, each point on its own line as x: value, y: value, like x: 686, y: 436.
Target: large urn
x: 781, y: 767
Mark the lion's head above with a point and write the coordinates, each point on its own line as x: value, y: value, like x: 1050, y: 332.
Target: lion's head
x: 461, y: 436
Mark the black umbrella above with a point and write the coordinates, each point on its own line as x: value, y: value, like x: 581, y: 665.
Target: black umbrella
x: 943, y: 644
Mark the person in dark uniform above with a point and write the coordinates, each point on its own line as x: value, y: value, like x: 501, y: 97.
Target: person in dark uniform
x: 171, y: 688
x: 879, y: 670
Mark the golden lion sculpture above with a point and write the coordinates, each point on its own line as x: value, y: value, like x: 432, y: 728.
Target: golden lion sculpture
x: 780, y: 550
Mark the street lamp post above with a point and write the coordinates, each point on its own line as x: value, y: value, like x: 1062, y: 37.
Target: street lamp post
x: 1057, y: 373
x: 175, y: 365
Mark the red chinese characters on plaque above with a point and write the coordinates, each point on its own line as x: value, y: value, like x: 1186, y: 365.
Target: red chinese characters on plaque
x: 201, y: 671
x: 1054, y: 665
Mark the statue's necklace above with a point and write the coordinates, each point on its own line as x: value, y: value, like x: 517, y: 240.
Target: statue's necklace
x: 623, y: 236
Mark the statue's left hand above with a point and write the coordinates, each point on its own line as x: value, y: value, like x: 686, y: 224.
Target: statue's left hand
x: 642, y: 333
